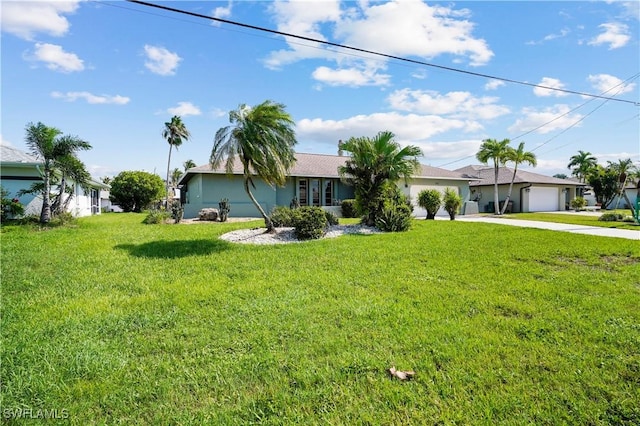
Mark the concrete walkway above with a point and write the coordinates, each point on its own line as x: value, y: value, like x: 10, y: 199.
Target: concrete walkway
x: 564, y: 227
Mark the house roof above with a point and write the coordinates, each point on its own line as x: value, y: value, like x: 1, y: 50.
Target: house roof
x: 318, y: 165
x: 484, y: 175
x: 9, y: 154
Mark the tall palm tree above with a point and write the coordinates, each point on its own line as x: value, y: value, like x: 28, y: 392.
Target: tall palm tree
x: 492, y: 149
x: 581, y: 164
x: 262, y: 138
x: 174, y: 133
x: 375, y: 162
x: 70, y: 168
x: 188, y: 164
x: 44, y: 143
x: 517, y: 156
x: 175, y: 176
x: 626, y: 171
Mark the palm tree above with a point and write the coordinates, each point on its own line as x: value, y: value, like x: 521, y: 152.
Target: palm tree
x: 491, y: 149
x: 188, y: 164
x: 46, y: 145
x: 517, y: 156
x: 581, y: 164
x: 625, y: 170
x: 69, y: 167
x: 262, y: 138
x: 174, y: 133
x: 175, y: 176
x: 375, y: 162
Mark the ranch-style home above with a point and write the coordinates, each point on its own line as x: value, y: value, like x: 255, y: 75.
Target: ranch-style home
x: 313, y: 180
x: 531, y: 192
x: 18, y: 170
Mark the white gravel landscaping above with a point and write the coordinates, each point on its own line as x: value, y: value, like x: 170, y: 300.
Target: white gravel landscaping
x: 286, y: 235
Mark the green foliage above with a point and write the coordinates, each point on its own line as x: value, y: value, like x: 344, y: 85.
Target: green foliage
x: 10, y: 208
x: 156, y: 216
x: 604, y: 182
x: 578, y: 203
x: 349, y: 208
x: 294, y: 204
x: 282, y: 216
x: 177, y: 211
x: 374, y: 163
x: 310, y: 222
x: 430, y: 200
x: 134, y: 191
x: 395, y: 211
x: 452, y: 202
x: 611, y: 217
x: 223, y: 209
x: 62, y: 219
x: 332, y: 219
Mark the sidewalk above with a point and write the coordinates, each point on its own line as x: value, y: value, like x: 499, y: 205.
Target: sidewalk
x: 564, y: 227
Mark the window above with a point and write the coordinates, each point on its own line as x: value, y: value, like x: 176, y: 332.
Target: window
x: 302, y: 189
x: 328, y: 192
x: 315, y: 192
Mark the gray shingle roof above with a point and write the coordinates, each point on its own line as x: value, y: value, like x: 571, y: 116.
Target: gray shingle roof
x: 9, y: 154
x: 323, y: 165
x: 485, y: 174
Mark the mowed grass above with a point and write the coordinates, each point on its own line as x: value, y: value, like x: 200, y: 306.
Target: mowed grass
x: 577, y: 219
x: 117, y: 322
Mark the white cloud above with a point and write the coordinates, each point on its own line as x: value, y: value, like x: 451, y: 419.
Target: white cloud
x: 552, y: 118
x: 184, y: 109
x: 609, y: 85
x: 614, y: 34
x: 91, y: 98
x: 456, y: 104
x: 350, y: 77
x: 217, y: 113
x: 161, y: 61
x: 493, y: 84
x: 26, y: 18
x: 396, y: 28
x: 222, y: 12
x: 550, y: 82
x: 563, y: 33
x: 56, y: 58
x: 449, y: 150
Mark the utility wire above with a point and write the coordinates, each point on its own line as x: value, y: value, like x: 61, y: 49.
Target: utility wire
x: 357, y: 49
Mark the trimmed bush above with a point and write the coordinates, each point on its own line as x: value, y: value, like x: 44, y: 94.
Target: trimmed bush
x: 578, y: 203
x: 349, y: 209
x: 310, y: 223
x: 332, y: 219
x: 611, y: 217
x: 282, y: 216
x: 430, y: 200
x: 452, y: 202
x: 394, y: 217
x: 156, y: 216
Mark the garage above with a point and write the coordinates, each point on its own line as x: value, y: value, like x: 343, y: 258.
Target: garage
x: 543, y: 199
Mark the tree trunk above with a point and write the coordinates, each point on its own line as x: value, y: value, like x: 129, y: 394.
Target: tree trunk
x: 56, y: 206
x: 167, y: 182
x: 496, y: 198
x: 45, y: 214
x: 506, y: 202
x: 267, y: 221
x: 430, y: 216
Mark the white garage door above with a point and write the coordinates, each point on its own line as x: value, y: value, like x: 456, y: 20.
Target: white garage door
x: 543, y: 199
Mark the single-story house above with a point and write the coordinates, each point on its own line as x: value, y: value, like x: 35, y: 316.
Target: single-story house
x: 19, y: 170
x: 632, y: 190
x: 532, y: 192
x: 313, y: 180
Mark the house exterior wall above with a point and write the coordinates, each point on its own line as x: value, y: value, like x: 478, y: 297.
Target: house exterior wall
x: 17, y: 177
x: 415, y: 185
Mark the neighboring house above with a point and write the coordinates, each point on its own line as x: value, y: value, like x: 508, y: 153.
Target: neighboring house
x: 18, y: 170
x: 313, y: 180
x: 632, y: 190
x: 531, y: 192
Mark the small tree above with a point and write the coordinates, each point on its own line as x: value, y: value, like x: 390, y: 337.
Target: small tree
x: 452, y: 202
x: 604, y: 182
x: 134, y: 191
x: 430, y: 200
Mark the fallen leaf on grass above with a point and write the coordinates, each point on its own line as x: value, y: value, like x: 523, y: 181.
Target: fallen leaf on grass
x: 401, y: 375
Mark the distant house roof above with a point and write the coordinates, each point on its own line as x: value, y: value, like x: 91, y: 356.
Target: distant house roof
x: 9, y: 154
x: 319, y: 165
x: 484, y: 175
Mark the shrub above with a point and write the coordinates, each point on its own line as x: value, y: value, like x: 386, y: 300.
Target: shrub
x: 177, y: 211
x: 310, y: 223
x: 282, y: 216
x: 332, y: 219
x: 223, y: 209
x: 9, y: 207
x: 578, y: 203
x: 64, y: 218
x: 611, y: 217
x: 629, y: 219
x: 430, y: 200
x: 135, y: 190
x: 349, y: 208
x: 452, y: 202
x: 156, y: 216
x: 394, y: 217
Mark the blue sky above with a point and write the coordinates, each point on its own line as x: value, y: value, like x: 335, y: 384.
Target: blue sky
x: 112, y: 72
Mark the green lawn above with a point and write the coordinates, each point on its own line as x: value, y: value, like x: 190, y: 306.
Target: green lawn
x: 116, y: 322
x: 576, y: 219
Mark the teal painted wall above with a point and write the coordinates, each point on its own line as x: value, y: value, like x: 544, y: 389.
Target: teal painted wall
x: 285, y: 194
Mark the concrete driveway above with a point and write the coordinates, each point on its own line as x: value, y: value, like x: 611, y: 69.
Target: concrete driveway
x: 564, y: 227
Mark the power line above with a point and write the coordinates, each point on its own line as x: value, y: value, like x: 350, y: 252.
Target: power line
x: 371, y: 52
